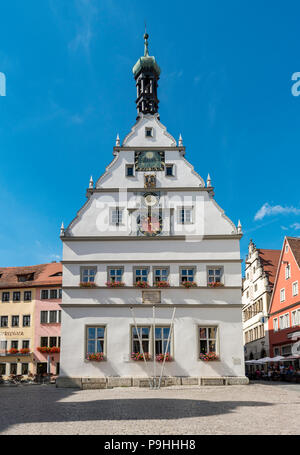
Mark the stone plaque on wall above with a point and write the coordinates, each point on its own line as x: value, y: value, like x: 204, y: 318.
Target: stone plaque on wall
x: 151, y: 297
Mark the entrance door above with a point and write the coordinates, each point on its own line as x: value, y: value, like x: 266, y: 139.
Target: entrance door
x: 41, y: 368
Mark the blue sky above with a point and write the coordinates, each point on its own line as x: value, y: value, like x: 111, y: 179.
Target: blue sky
x: 225, y: 86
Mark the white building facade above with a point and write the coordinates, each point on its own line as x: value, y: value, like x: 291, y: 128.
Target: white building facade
x: 151, y: 267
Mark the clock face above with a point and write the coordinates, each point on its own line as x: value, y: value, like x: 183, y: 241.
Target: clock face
x: 150, y: 199
x: 149, y: 160
x: 150, y: 224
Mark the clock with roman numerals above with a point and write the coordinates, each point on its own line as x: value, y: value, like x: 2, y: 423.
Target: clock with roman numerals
x: 149, y: 160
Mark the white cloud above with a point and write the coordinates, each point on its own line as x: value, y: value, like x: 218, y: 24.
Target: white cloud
x: 284, y: 228
x: 295, y: 226
x: 268, y: 210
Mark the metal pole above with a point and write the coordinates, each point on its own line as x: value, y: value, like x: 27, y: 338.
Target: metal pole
x: 141, y: 344
x: 154, y: 350
x: 167, y: 347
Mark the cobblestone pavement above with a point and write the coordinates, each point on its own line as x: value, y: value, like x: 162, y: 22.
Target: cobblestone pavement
x: 259, y: 408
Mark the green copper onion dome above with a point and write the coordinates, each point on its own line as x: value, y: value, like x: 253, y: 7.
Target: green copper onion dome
x: 146, y: 63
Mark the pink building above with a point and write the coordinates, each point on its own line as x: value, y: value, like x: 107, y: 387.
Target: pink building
x: 48, y: 319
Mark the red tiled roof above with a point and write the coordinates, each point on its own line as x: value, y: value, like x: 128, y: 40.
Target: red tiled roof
x: 269, y: 260
x: 43, y: 275
x: 294, y: 243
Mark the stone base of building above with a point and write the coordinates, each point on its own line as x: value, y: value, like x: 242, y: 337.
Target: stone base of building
x: 110, y: 382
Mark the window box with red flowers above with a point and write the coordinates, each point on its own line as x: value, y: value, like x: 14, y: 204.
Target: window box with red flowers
x: 13, y: 351
x: 189, y: 284
x: 115, y: 284
x: 25, y: 351
x: 48, y: 350
x: 162, y: 284
x: 97, y: 357
x: 215, y: 284
x: 87, y: 284
x: 162, y: 357
x: 209, y: 356
x: 137, y: 356
x: 141, y: 284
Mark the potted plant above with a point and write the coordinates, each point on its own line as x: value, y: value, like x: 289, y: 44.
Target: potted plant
x: 115, y: 284
x: 209, y: 356
x: 97, y: 357
x: 162, y: 284
x: 189, y: 284
x: 162, y: 357
x: 215, y: 284
x: 141, y: 284
x: 13, y: 351
x: 87, y: 284
x: 140, y: 356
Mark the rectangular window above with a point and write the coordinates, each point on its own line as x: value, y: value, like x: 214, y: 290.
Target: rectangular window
x: 95, y: 340
x: 160, y: 274
x: 141, y: 275
x: 169, y: 170
x: 60, y: 293
x: 275, y: 324
x: 144, y: 334
x: 148, y: 132
x: 276, y: 352
x: 116, y: 216
x: 4, y: 321
x: 59, y: 316
x: 12, y: 368
x: 53, y: 294
x: 44, y: 294
x: 161, y: 340
x: 44, y: 317
x: 295, y: 317
x: 295, y: 288
x: 52, y: 342
x: 24, y: 368
x: 214, y: 274
x: 27, y: 296
x: 2, y: 369
x: 14, y: 344
x: 15, y: 321
x: 284, y: 321
x: 25, y: 344
x: 287, y: 272
x: 115, y: 274
x: 185, y: 215
x: 187, y: 274
x: 282, y: 295
x: 129, y: 170
x: 3, y: 346
x: 16, y: 296
x: 5, y: 296
x: 88, y: 274
x: 26, y: 320
x: 44, y: 342
x: 53, y: 317
x: 208, y: 340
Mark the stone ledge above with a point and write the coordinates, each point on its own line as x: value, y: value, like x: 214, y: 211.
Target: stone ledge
x: 111, y: 381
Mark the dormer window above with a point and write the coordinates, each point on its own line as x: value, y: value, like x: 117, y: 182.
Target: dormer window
x: 169, y: 170
x: 149, y: 132
x: 25, y: 277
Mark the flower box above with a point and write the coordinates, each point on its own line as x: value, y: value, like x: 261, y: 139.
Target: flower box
x: 89, y: 284
x: 141, y: 284
x: 48, y: 350
x: 208, y: 356
x: 97, y: 357
x: 115, y: 284
x: 188, y: 284
x: 13, y: 351
x: 161, y: 357
x: 162, y: 284
x: 25, y: 351
x: 54, y: 350
x: 215, y: 284
x: 137, y: 356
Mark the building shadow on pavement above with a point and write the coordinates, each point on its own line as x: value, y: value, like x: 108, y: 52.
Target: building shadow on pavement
x: 44, y: 404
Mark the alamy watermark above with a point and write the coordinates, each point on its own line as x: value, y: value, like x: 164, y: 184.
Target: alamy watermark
x: 2, y: 84
x: 296, y: 86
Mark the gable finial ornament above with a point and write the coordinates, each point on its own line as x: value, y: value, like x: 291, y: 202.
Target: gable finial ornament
x: 91, y: 184
x: 62, y: 229
x: 208, y: 181
x: 239, y: 227
x: 180, y: 141
x: 118, y: 140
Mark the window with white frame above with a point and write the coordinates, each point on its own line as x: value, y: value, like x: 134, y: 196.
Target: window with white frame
x: 148, y: 132
x: 141, y: 274
x: 16, y: 296
x: 15, y: 321
x: 185, y: 215
x: 295, y: 288
x: 44, y: 317
x: 214, y: 274
x: 275, y: 324
x: 25, y: 344
x: 276, y: 351
x: 187, y: 274
x: 14, y: 344
x: 208, y: 340
x: 169, y: 170
x: 88, y: 274
x: 44, y: 294
x: 13, y: 367
x: 3, y: 346
x: 4, y: 321
x: 2, y: 369
x: 284, y: 321
x: 116, y: 216
x: 295, y: 317
x: 27, y: 296
x: 160, y: 274
x: 53, y: 317
x: 129, y: 170
x: 24, y: 368
x: 5, y: 296
x: 26, y: 320
x: 143, y: 334
x: 287, y: 271
x: 282, y: 295
x: 95, y: 340
x: 115, y: 274
x: 161, y: 340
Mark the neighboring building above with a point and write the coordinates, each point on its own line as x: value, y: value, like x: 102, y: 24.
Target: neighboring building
x: 151, y: 221
x: 19, y: 320
x: 260, y: 272
x: 284, y: 312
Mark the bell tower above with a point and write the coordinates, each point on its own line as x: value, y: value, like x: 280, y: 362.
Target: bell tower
x: 146, y: 73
